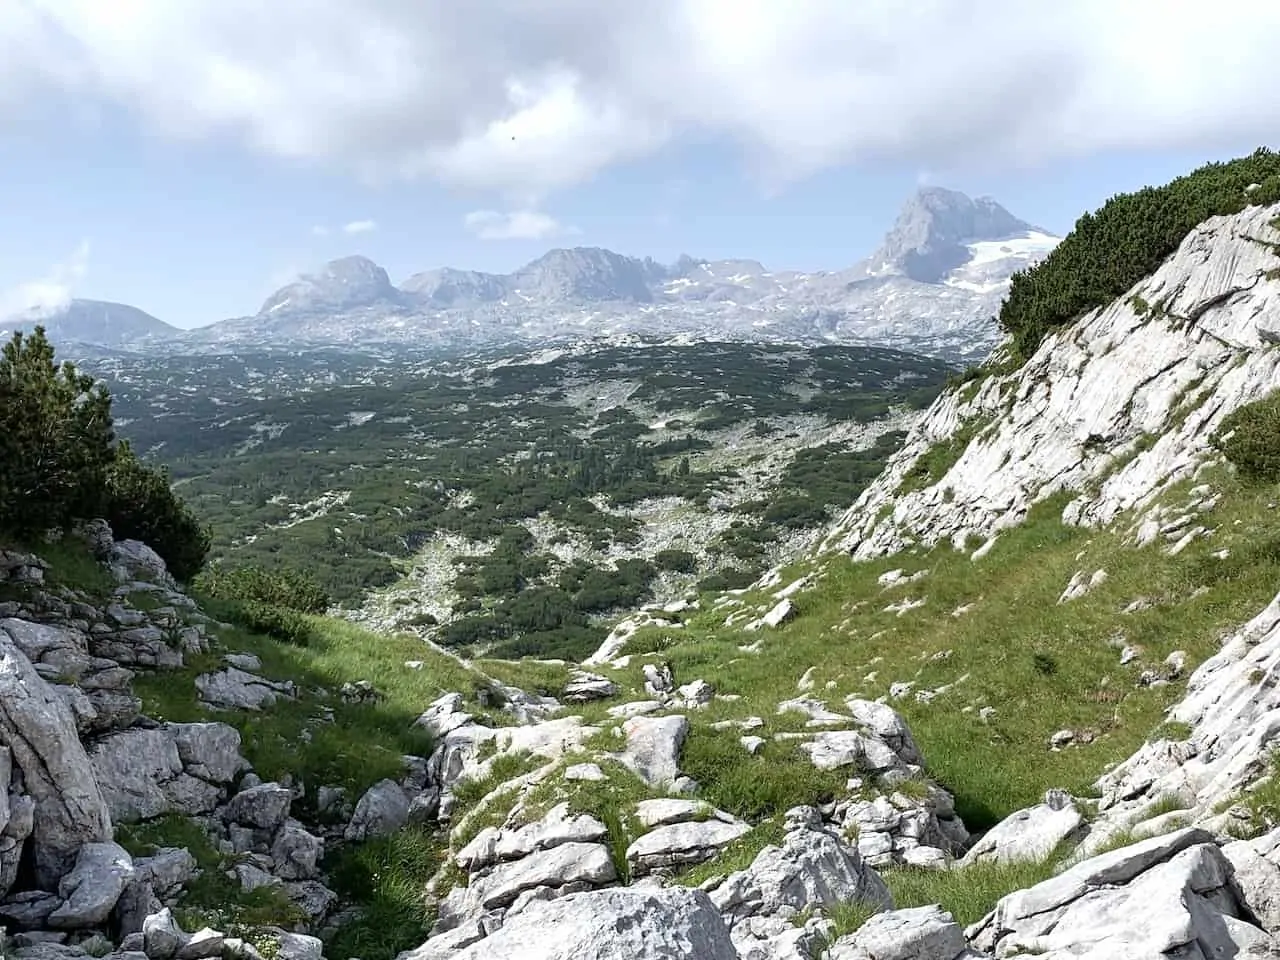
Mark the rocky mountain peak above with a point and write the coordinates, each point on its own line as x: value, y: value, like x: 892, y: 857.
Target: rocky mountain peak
x: 936, y: 281
x: 355, y: 269
x: 94, y: 322
x: 587, y: 273
x: 446, y: 286
x: 934, y: 228
x: 344, y: 283
x: 685, y: 263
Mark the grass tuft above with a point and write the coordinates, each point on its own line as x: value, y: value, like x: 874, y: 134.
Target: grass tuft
x: 970, y: 892
x: 386, y: 877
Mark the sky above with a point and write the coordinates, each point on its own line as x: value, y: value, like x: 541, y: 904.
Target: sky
x: 188, y: 157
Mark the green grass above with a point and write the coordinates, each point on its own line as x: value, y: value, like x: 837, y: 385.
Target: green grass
x: 508, y: 766
x: 539, y: 677
x: 71, y: 566
x: 1174, y: 730
x: 1263, y: 802
x: 999, y: 651
x: 495, y: 814
x: 849, y: 916
x: 970, y: 892
x: 364, y: 743
x: 144, y: 600
x: 1168, y: 803
x: 767, y: 784
x: 622, y: 831
x: 386, y: 877
x: 1141, y: 827
x: 738, y: 855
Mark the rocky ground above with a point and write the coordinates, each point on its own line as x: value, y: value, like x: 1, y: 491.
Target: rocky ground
x: 534, y: 866
x: 81, y: 762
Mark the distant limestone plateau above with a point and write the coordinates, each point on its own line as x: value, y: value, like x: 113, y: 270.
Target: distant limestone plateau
x: 1021, y: 700
x: 933, y: 287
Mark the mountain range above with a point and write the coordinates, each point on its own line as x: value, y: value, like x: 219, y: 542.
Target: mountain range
x: 932, y: 287
x: 97, y: 322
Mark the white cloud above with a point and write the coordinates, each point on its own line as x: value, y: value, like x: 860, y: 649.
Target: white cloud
x: 283, y: 276
x: 527, y: 98
x: 516, y: 225
x: 319, y: 230
x: 360, y: 226
x: 48, y: 294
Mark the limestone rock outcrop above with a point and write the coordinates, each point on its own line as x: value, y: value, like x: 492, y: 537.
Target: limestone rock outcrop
x: 1174, y: 895
x: 39, y: 734
x: 814, y: 868
x: 1232, y: 708
x: 1077, y: 412
x: 622, y: 923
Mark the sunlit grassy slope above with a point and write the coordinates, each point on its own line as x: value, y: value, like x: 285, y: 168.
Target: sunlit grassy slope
x: 993, y: 634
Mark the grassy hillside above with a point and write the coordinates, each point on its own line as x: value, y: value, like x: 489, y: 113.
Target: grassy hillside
x: 996, y: 666
x: 1006, y: 664
x: 987, y: 634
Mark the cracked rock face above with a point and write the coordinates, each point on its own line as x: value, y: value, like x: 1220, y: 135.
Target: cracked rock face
x: 459, y: 741
x: 680, y: 832
x: 1168, y: 896
x: 185, y: 768
x: 506, y: 887
x: 814, y: 867
x: 509, y: 868
x: 1029, y: 835
x: 35, y: 723
x: 622, y: 922
x: 135, y: 560
x: 93, y: 886
x: 920, y: 933
x: 653, y: 747
x: 237, y: 689
x: 894, y: 826
x: 1232, y: 706
x: 382, y: 810
x: 1256, y: 866
x: 1075, y: 411
x: 584, y: 687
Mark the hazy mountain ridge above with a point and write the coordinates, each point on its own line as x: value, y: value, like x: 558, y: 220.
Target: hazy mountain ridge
x: 94, y: 322
x: 932, y: 287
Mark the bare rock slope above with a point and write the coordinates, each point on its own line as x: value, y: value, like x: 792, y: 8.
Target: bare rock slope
x: 1116, y: 407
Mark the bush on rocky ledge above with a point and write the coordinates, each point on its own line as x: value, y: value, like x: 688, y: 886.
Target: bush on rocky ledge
x: 250, y: 582
x: 1110, y: 250
x: 139, y: 504
x: 1249, y: 437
